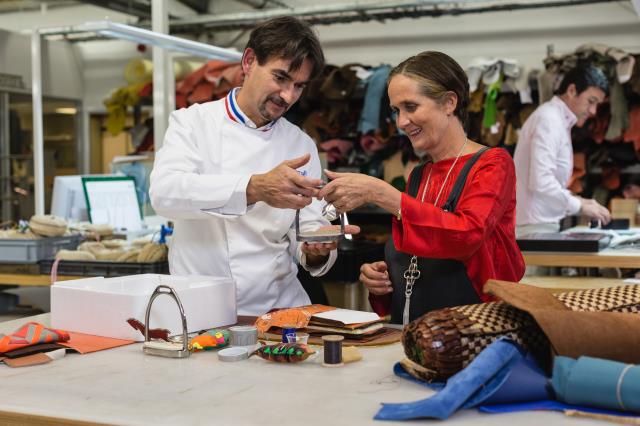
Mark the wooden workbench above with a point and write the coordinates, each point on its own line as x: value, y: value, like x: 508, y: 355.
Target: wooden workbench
x: 125, y: 386
x: 564, y: 284
x: 627, y: 257
x: 31, y: 279
x: 608, y: 258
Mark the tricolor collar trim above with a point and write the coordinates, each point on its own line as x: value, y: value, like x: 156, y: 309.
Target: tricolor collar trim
x: 235, y: 113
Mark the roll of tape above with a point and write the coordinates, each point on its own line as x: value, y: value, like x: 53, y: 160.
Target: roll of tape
x: 233, y: 354
x: 243, y: 335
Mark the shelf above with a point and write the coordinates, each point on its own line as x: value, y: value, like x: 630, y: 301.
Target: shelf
x: 635, y: 169
x: 59, y: 138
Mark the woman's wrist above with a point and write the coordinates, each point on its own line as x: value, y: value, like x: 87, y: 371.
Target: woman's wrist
x: 378, y: 192
x: 386, y: 196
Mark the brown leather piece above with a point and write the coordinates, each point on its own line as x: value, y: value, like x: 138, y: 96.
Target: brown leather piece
x: 33, y: 349
x: 27, y: 361
x: 609, y: 335
x: 524, y: 296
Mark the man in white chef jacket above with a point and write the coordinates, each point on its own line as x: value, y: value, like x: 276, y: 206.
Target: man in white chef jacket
x: 544, y: 157
x: 231, y: 174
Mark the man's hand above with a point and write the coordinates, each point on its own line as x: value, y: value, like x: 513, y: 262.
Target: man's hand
x: 593, y: 210
x: 316, y: 253
x: 375, y: 277
x: 283, y: 187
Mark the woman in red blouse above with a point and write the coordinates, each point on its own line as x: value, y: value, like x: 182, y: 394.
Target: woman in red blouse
x: 454, y: 228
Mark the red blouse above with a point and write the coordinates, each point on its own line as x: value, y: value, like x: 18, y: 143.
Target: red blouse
x: 480, y: 232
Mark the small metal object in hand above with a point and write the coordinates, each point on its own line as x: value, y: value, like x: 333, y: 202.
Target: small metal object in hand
x: 320, y: 236
x: 329, y: 212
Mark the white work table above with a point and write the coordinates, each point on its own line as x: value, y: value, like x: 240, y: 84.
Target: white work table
x: 124, y: 386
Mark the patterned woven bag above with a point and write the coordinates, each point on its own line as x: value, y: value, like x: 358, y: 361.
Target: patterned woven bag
x: 443, y: 342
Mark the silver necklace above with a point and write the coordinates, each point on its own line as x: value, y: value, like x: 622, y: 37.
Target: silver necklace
x: 412, y: 273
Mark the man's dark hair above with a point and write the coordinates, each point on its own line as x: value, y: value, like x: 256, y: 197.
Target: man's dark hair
x: 584, y: 76
x: 287, y: 38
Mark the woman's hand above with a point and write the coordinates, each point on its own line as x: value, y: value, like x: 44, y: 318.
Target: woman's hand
x: 346, y: 191
x: 376, y: 278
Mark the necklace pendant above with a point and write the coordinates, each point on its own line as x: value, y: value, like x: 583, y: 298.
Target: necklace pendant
x: 405, y: 313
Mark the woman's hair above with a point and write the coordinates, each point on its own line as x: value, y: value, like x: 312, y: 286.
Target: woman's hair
x: 437, y: 74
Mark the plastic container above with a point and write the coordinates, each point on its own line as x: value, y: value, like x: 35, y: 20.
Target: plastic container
x: 32, y: 251
x: 101, y: 306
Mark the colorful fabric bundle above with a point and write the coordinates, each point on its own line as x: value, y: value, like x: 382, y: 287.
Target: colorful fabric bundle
x: 29, y: 334
x: 212, y: 339
x: 284, y: 352
x: 445, y: 341
x: 289, y: 318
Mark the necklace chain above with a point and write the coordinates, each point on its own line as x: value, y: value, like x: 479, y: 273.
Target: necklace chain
x: 446, y: 178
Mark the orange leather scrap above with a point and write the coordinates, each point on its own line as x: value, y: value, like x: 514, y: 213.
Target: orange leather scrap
x: 290, y: 318
x: 87, y: 343
x: 211, y: 81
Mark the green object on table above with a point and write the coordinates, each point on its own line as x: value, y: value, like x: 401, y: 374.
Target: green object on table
x: 597, y: 382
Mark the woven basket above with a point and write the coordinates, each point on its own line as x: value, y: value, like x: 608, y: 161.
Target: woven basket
x: 443, y: 342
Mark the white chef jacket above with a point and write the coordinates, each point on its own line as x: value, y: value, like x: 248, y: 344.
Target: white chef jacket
x: 199, y: 180
x: 544, y: 163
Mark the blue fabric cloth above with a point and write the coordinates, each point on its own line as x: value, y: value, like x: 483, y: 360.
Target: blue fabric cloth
x: 525, y: 381
x: 597, y: 382
x: 376, y: 85
x: 546, y: 404
x: 501, y: 372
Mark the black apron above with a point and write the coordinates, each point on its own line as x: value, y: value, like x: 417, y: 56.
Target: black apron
x: 443, y: 282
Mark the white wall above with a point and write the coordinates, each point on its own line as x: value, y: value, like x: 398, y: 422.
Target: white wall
x: 61, y: 70
x: 83, y: 70
x: 103, y: 71
x: 521, y: 35
x: 55, y: 17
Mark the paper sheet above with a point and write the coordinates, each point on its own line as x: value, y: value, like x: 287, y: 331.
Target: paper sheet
x: 348, y: 316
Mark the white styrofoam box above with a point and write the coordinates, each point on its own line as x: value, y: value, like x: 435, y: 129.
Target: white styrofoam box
x: 101, y: 306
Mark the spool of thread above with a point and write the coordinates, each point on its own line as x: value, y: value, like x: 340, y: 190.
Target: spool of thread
x: 332, y: 350
x: 243, y: 335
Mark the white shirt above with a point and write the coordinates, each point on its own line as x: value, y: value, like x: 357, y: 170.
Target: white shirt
x: 544, y: 163
x: 199, y: 180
